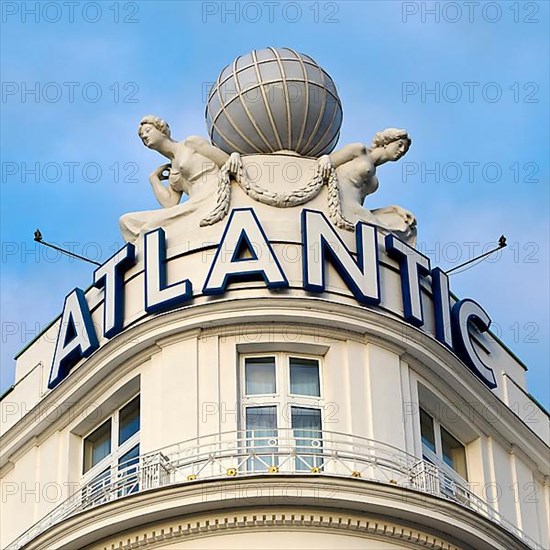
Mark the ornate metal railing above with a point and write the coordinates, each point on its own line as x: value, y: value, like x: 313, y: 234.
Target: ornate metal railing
x: 270, y: 452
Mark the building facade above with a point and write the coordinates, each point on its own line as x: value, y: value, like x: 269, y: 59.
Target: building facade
x: 271, y: 380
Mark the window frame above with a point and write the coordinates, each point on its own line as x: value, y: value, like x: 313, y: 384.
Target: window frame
x: 243, y: 377
x: 285, y: 357
x: 117, y: 451
x: 86, y: 453
x: 436, y: 457
x: 283, y: 400
x: 319, y: 369
x: 282, y: 397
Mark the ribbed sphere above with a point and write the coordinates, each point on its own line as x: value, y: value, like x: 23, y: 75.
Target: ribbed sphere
x: 272, y: 100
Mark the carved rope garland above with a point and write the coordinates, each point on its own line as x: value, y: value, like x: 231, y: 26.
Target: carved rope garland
x: 279, y: 200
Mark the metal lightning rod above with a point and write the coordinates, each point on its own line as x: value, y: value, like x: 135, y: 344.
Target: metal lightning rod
x: 38, y: 239
x: 501, y: 244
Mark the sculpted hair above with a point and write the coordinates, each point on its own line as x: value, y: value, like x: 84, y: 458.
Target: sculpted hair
x: 389, y: 135
x: 160, y: 124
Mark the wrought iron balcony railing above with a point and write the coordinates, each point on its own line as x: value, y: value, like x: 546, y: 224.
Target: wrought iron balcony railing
x: 270, y: 452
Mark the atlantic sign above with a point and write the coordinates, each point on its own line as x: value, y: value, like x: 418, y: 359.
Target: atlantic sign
x: 248, y: 254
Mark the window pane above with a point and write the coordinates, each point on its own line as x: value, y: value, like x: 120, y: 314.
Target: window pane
x: 427, y: 430
x: 261, y: 435
x: 261, y: 420
x: 97, y: 445
x: 98, y: 490
x: 259, y: 375
x: 306, y: 424
x: 304, y: 377
x: 127, y: 469
x: 128, y: 419
x: 306, y: 420
x: 454, y: 454
x: 130, y: 458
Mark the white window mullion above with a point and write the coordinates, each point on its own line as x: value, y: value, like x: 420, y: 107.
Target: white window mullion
x: 284, y: 413
x: 125, y: 447
x: 437, y: 434
x: 114, y: 434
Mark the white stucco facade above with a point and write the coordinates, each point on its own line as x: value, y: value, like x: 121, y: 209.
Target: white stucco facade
x: 365, y: 481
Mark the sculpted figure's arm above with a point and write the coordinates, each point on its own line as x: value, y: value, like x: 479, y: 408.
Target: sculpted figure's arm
x: 389, y: 145
x: 347, y: 153
x: 166, y: 196
x: 204, y: 148
x: 217, y: 156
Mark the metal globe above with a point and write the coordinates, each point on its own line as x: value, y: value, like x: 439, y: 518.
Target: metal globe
x: 272, y: 100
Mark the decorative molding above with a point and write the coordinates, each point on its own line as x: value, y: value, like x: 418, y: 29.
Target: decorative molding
x: 193, y: 334
x: 280, y: 200
x: 218, y: 524
x: 6, y: 468
x: 324, y: 496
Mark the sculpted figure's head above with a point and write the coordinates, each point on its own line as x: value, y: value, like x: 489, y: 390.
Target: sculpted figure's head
x: 395, y: 143
x: 153, y: 130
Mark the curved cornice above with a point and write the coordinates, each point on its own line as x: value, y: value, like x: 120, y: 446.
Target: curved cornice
x: 418, y: 518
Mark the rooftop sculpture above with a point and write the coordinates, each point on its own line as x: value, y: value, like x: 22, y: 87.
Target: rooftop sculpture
x: 271, y: 106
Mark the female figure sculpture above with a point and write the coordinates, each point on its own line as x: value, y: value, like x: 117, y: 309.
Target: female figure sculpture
x: 356, y: 166
x: 202, y: 171
x: 193, y: 169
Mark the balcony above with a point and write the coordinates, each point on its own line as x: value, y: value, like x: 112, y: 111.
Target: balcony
x: 270, y: 453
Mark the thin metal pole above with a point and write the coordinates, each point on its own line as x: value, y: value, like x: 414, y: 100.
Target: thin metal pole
x: 38, y: 239
x: 501, y: 245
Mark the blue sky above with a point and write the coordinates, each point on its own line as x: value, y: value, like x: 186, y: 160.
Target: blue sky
x: 478, y: 165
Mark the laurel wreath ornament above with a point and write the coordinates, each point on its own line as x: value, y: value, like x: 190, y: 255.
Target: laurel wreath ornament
x: 324, y: 175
